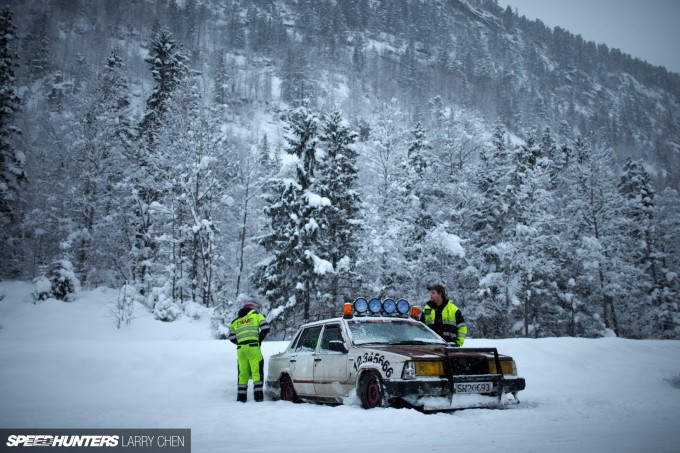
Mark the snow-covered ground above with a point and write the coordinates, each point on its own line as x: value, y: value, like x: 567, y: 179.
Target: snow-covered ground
x: 64, y: 365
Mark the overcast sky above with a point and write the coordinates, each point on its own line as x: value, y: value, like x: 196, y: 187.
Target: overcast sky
x: 647, y: 29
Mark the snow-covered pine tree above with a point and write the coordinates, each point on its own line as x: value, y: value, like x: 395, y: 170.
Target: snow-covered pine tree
x: 337, y: 181
x: 532, y: 235
x: 492, y: 256
x: 450, y: 201
x: 12, y: 160
x: 289, y: 277
x: 593, y: 216
x: 168, y: 69
x: 274, y: 276
x: 358, y: 56
x: 296, y: 85
x: 492, y: 179
x: 236, y: 32
x: 409, y: 67
x: 418, y: 185
x: 200, y: 146
x: 636, y: 187
x: 383, y: 264
x: 580, y: 319
x: 36, y: 47
x: 204, y: 188
x: 418, y: 153
x: 107, y: 133
x: 255, y: 168
x: 312, y: 223
x: 549, y: 150
x: 148, y: 181
x: 221, y: 80
x: 667, y: 227
x: 267, y: 163
x: 462, y: 142
x: 559, y: 306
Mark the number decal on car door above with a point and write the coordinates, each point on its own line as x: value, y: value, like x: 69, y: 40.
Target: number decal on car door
x: 375, y: 358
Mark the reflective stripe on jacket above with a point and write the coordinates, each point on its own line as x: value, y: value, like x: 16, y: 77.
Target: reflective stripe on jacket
x: 446, y: 320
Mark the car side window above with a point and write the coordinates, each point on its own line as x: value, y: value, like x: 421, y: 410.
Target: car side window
x: 332, y: 332
x: 308, y: 339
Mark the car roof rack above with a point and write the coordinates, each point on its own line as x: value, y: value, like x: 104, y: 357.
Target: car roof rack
x: 320, y: 316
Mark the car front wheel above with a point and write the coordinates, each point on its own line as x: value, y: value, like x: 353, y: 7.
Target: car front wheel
x: 371, y: 390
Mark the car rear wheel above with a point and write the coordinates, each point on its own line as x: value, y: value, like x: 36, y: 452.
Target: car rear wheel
x: 371, y: 390
x: 287, y: 390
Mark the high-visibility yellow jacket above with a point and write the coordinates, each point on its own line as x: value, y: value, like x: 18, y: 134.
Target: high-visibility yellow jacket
x: 447, y: 320
x: 249, y: 328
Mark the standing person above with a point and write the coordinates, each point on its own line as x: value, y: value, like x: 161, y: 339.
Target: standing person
x: 441, y: 315
x: 247, y: 332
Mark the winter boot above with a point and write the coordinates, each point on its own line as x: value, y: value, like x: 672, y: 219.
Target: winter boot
x: 242, y: 393
x: 258, y: 391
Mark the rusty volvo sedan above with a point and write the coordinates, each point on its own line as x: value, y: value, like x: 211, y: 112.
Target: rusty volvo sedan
x: 378, y: 355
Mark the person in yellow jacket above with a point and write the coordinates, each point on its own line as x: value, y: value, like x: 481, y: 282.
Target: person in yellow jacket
x: 247, y: 332
x: 441, y: 315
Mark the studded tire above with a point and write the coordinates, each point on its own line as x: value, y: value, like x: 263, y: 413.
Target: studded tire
x: 288, y: 392
x: 371, y: 390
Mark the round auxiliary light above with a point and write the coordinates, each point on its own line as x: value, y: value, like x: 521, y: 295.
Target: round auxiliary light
x: 374, y: 306
x: 403, y: 306
x: 389, y: 306
x: 360, y: 305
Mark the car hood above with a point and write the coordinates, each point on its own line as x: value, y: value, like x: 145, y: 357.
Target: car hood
x: 434, y: 351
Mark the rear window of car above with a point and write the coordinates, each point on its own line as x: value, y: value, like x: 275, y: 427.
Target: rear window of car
x: 391, y: 331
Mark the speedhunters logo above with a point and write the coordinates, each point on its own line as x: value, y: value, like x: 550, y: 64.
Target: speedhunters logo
x: 37, y: 440
x: 84, y: 440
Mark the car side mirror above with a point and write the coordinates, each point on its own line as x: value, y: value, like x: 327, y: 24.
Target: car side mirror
x: 337, y: 346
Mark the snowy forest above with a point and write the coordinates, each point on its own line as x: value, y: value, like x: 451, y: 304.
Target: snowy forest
x: 303, y: 153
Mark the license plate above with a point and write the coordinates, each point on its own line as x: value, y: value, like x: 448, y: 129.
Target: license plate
x: 473, y: 387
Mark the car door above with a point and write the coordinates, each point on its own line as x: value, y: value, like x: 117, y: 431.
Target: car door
x: 302, y: 361
x: 330, y: 366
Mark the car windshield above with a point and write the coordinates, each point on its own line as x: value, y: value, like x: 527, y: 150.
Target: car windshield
x: 391, y: 331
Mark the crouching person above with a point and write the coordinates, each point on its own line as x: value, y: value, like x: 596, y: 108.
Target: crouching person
x: 247, y: 332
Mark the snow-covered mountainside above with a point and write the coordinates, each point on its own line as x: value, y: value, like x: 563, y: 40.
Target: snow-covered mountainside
x: 65, y: 365
x: 361, y: 53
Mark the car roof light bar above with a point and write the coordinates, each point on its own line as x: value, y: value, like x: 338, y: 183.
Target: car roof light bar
x: 375, y: 307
